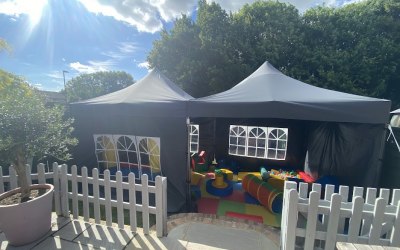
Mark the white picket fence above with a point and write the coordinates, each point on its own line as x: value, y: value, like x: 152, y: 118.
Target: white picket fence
x: 67, y: 186
x: 310, y: 221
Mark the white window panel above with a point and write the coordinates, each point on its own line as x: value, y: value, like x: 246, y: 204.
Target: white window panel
x: 194, y: 134
x: 238, y: 140
x: 257, y: 141
x: 149, y: 156
x: 128, y: 153
x: 128, y: 156
x: 277, y: 143
x: 105, y: 151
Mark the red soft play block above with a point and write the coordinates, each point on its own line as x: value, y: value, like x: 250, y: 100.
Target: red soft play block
x: 207, y: 205
x: 306, y: 177
x: 255, y: 218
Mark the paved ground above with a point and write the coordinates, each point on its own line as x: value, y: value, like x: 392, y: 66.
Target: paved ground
x: 197, y: 234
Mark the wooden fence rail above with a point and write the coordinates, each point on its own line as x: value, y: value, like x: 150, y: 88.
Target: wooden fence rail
x: 91, y: 193
x: 310, y: 221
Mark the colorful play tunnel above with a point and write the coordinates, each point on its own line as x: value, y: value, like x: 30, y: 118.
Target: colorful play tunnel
x: 270, y: 197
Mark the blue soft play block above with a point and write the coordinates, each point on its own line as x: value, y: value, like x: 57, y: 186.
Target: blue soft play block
x: 250, y: 199
x: 195, y: 190
x: 237, y: 185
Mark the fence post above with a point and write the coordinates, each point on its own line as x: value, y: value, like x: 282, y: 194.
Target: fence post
x: 120, y: 200
x: 355, y: 219
x: 312, y: 217
x: 64, y: 191
x: 370, y: 199
x: 132, y: 202
x: 1, y: 181
x: 56, y: 183
x: 145, y: 204
x: 13, y: 178
x: 290, y: 216
x: 107, y: 197
x: 96, y: 195
x: 376, y: 223
x: 344, y: 192
x: 41, y: 174
x: 394, y: 238
x: 160, y: 219
x: 287, y: 186
x: 165, y: 205
x: 74, y: 184
x: 28, y: 173
x: 85, y: 193
x: 333, y: 223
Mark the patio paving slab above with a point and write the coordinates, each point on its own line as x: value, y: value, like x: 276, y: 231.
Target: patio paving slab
x: 56, y: 223
x: 58, y: 243
x: 151, y: 241
x: 72, y: 230
x: 103, y: 237
x: 207, y: 236
x: 77, y: 234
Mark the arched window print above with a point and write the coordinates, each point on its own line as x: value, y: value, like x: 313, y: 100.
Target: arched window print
x: 149, y: 151
x: 277, y: 143
x: 105, y: 152
x: 237, y: 140
x: 127, y: 154
x: 194, y: 138
x: 256, y: 142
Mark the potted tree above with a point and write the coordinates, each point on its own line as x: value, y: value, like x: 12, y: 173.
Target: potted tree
x: 28, y: 128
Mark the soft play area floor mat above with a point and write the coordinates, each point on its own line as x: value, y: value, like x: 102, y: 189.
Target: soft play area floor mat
x: 239, y: 204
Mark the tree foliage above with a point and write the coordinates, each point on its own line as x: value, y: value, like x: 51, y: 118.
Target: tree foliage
x: 354, y: 48
x: 87, y: 86
x: 28, y: 128
x: 4, y: 45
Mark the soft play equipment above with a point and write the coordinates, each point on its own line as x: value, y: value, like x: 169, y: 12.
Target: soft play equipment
x: 248, y: 199
x: 228, y: 175
x: 197, y: 178
x: 198, y: 162
x: 270, y: 197
x: 265, y: 175
x: 255, y: 218
x: 284, y: 175
x: 241, y: 175
x: 219, y: 187
x: 276, y: 183
x: 195, y: 191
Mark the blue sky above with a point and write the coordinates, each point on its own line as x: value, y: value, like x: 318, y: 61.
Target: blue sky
x: 85, y: 36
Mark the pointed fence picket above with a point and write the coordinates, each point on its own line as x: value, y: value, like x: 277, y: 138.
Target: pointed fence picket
x: 311, y: 222
x: 90, y: 193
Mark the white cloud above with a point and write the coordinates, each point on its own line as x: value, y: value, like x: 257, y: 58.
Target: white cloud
x: 16, y: 8
x: 144, y: 65
x: 145, y: 15
x: 149, y: 15
x: 114, y: 55
x: 92, y: 66
x: 128, y: 47
x: 55, y: 74
x: 124, y: 50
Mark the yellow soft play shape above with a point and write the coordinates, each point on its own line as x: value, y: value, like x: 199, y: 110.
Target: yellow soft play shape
x: 197, y: 178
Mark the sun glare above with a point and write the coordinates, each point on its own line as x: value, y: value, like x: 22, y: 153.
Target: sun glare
x: 35, y: 12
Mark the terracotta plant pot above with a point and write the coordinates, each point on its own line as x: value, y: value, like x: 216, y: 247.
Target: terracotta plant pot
x: 26, y: 222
